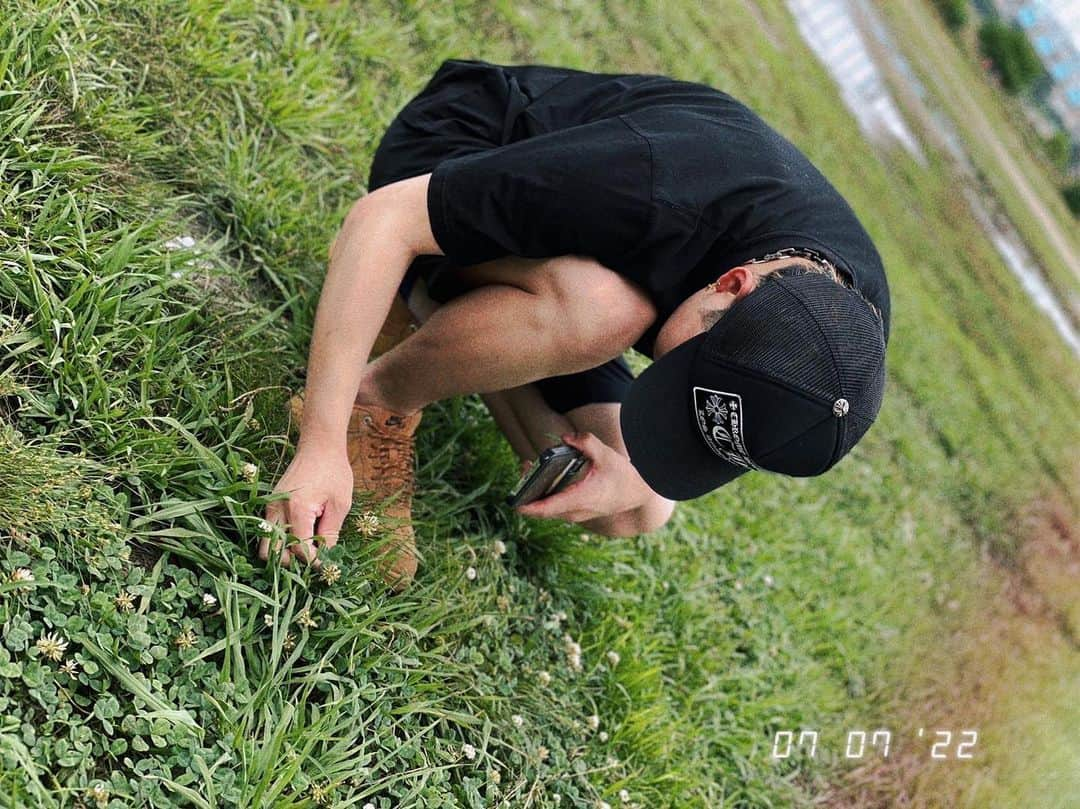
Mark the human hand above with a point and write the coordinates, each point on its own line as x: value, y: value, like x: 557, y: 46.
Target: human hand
x: 610, y: 486
x: 319, y: 482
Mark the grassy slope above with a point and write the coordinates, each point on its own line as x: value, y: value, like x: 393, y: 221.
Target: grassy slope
x: 256, y: 124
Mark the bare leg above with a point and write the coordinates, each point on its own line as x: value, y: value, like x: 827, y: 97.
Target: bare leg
x: 525, y: 419
x: 531, y: 426
x: 530, y: 320
x: 520, y: 413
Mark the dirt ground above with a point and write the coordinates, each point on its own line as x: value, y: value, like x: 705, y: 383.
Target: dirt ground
x: 1023, y: 632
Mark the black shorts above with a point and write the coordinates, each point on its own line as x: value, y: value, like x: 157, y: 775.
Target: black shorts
x: 469, y: 107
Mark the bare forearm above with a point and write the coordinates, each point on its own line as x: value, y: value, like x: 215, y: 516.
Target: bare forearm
x: 380, y: 237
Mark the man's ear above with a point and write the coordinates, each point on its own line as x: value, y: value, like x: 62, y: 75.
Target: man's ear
x: 738, y: 281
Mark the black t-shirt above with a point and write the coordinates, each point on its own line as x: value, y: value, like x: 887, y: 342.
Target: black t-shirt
x: 668, y: 183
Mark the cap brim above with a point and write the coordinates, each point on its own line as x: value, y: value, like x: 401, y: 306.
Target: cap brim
x: 664, y: 442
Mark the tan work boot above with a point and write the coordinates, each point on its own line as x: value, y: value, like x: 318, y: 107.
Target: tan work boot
x: 379, y: 444
x: 380, y: 448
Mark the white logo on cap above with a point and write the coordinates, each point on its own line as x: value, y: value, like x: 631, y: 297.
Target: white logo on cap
x: 720, y: 416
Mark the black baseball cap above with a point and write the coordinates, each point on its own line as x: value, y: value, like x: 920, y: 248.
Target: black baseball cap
x: 788, y: 380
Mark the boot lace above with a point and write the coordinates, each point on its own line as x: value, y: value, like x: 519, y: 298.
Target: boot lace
x: 393, y: 453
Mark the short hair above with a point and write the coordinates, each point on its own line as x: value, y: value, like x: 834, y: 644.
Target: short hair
x: 813, y: 264
x: 712, y: 316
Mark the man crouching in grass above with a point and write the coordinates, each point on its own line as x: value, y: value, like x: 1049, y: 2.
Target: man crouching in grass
x: 538, y: 222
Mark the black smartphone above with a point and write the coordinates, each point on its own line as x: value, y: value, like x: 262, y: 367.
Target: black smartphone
x: 552, y: 472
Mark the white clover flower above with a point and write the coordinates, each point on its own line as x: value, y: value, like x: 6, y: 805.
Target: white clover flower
x: 265, y: 527
x: 769, y: 581
x: 499, y: 547
x: 544, y: 678
x: 367, y: 524
x: 268, y: 619
x: 494, y: 776
x: 575, y: 662
x: 738, y: 584
x: 319, y: 795
x: 594, y: 721
x: 52, y: 646
x: 613, y: 657
x: 22, y: 574
x: 603, y: 736
x: 557, y: 797
x: 124, y: 601
x: 249, y: 472
x: 542, y: 753
x: 518, y: 720
x: 470, y: 573
x: 624, y: 795
x: 468, y: 751
x: 209, y: 600
x: 185, y: 640
x: 503, y: 603
x: 70, y: 667
x: 603, y: 805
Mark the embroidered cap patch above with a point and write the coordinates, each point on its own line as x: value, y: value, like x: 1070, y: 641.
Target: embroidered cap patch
x: 719, y: 416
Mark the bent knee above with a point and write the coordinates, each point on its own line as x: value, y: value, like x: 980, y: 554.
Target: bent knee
x: 602, y: 312
x: 650, y: 517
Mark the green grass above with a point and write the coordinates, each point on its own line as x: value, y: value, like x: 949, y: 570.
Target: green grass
x: 137, y: 381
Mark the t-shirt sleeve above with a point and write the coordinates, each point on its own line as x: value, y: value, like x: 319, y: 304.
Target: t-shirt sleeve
x: 583, y: 190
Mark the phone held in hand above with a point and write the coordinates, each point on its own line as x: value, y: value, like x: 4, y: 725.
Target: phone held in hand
x: 552, y: 472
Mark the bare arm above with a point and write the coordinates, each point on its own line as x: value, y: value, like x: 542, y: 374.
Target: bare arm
x: 380, y: 237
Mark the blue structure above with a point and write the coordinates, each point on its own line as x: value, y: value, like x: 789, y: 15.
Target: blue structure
x: 1053, y: 26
